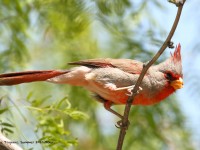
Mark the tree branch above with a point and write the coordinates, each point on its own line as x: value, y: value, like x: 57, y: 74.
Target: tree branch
x: 6, y: 144
x: 130, y: 100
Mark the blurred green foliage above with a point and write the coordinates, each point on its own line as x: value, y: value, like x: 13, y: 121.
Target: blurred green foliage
x: 44, y: 34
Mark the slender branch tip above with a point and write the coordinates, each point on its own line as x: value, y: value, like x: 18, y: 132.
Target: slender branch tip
x: 177, y: 2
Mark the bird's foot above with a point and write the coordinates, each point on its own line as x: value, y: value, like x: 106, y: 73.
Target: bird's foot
x: 120, y: 125
x: 130, y: 90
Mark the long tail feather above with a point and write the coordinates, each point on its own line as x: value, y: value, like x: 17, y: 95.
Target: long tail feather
x: 28, y: 76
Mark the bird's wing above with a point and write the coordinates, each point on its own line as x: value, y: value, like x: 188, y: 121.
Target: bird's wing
x: 127, y: 65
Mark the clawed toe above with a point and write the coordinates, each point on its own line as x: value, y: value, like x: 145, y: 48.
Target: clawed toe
x: 130, y: 92
x: 120, y: 125
x: 140, y: 89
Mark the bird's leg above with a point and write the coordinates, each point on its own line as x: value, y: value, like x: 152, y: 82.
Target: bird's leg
x: 124, y: 88
x: 128, y: 88
x: 107, y: 106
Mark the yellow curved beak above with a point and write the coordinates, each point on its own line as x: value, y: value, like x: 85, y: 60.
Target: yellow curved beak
x: 177, y: 84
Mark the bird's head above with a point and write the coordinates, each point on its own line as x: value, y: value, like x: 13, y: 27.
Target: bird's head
x: 172, y: 69
x: 162, y: 79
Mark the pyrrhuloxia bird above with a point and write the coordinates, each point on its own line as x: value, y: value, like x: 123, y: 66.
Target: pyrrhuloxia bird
x: 111, y: 80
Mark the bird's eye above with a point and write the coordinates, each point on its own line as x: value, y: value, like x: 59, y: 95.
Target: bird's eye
x: 169, y: 76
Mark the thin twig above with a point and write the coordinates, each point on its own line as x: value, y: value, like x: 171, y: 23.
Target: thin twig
x: 139, y: 81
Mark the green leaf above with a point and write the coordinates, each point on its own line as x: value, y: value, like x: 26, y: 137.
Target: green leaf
x: 3, y: 110
x: 78, y: 115
x: 64, y: 100
x: 7, y: 124
x: 7, y: 129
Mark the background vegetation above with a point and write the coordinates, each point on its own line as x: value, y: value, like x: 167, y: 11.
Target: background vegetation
x: 46, y: 34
